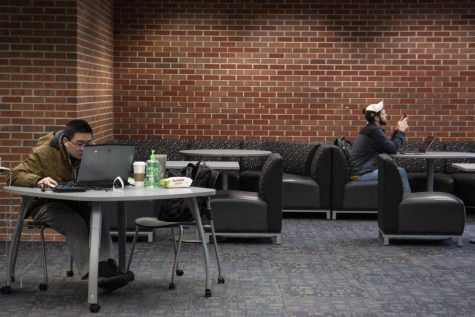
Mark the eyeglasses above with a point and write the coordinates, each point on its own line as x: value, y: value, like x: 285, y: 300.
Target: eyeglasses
x: 81, y: 144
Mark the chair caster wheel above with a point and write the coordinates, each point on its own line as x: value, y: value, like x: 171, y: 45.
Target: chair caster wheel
x: 171, y: 286
x: 69, y: 273
x: 207, y: 293
x: 220, y: 280
x: 94, y: 308
x: 43, y: 287
x: 179, y: 272
x: 6, y: 290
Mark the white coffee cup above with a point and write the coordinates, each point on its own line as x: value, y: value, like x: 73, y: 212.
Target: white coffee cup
x: 139, y: 173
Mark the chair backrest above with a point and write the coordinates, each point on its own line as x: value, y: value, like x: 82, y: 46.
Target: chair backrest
x: 389, y: 194
x: 321, y: 172
x: 270, y: 190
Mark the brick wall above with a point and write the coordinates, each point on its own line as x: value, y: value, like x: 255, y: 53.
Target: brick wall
x: 292, y: 70
x: 55, y: 65
x: 94, y: 66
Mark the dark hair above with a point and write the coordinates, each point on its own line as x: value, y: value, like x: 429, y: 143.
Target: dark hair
x: 370, y: 115
x: 76, y: 126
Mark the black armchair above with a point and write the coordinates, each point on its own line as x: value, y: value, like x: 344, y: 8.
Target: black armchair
x: 348, y: 196
x: 422, y: 214
x: 250, y: 214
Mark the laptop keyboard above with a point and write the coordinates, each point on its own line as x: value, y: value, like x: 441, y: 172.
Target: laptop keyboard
x: 69, y: 188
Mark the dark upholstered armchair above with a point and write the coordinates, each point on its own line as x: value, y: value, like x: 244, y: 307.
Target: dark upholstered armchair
x: 250, y: 214
x: 350, y: 196
x: 306, y: 174
x: 422, y: 214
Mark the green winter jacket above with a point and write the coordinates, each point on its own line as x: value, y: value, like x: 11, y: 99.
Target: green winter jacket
x: 49, y: 159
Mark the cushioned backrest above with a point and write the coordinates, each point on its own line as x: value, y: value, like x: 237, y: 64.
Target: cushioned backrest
x: 389, y: 194
x: 320, y: 171
x: 467, y: 146
x: 253, y: 163
x: 294, y: 155
x: 214, y: 144
x: 419, y: 165
x: 270, y: 190
x: 297, y: 156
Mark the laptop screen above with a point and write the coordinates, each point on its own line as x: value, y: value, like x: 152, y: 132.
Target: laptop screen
x: 101, y: 164
x: 426, y: 144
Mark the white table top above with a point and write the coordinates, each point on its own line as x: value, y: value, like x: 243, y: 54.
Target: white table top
x: 217, y: 165
x: 469, y: 167
x: 436, y: 155
x: 225, y: 152
x: 128, y: 194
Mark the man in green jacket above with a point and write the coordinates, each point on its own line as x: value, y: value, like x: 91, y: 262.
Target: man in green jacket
x: 55, y: 159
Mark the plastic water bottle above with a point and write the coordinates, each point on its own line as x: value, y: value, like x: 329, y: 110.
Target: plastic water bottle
x: 152, y: 176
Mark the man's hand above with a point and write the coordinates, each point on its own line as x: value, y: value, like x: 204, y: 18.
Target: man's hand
x: 46, y: 182
x: 402, y: 124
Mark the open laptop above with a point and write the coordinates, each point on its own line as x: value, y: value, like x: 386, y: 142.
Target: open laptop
x: 424, y: 146
x: 101, y: 164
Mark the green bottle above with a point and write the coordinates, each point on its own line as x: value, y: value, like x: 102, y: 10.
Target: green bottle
x: 152, y: 177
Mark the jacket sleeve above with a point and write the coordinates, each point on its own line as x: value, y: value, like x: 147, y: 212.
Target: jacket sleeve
x: 388, y: 145
x: 28, y: 173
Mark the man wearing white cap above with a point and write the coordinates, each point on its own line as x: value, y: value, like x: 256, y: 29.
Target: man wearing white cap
x: 372, y: 141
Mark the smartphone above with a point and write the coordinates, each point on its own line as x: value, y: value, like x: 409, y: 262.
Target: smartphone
x: 404, y: 115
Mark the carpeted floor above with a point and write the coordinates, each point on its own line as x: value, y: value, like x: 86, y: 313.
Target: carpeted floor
x: 322, y: 268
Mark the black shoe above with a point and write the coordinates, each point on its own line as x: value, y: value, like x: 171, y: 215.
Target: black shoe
x: 112, y: 283
x: 108, y: 269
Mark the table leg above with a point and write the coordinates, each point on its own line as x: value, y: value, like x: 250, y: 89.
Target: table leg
x: 121, y: 228
x: 15, y: 242
x: 430, y: 174
x: 95, y: 237
x: 196, y: 215
x: 225, y: 180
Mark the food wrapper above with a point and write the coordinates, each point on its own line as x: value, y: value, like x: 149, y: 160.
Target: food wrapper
x: 176, y: 182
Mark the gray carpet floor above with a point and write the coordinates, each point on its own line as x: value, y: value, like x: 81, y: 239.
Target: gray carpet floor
x: 322, y: 268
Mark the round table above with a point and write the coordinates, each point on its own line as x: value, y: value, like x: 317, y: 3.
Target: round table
x: 225, y: 152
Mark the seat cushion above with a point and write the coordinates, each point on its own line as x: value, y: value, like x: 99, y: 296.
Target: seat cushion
x: 300, y: 192
x: 361, y: 195
x: 442, y: 182
x: 464, y: 187
x: 239, y: 211
x: 431, y: 213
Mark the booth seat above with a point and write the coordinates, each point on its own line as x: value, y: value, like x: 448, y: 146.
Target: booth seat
x: 305, y: 177
x: 347, y: 196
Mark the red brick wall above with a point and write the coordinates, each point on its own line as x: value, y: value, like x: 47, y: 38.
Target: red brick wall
x: 55, y: 65
x: 292, y: 70
x: 94, y: 61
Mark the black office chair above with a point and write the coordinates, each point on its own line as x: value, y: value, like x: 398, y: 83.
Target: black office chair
x: 30, y: 224
x: 414, y: 215
x: 155, y: 223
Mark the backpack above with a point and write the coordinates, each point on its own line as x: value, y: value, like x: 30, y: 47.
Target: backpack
x: 344, y: 145
x: 177, y: 209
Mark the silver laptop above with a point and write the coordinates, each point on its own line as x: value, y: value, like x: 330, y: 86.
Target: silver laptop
x: 424, y: 146
x: 101, y: 164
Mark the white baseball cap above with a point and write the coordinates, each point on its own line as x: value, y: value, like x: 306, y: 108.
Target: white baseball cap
x: 376, y: 107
